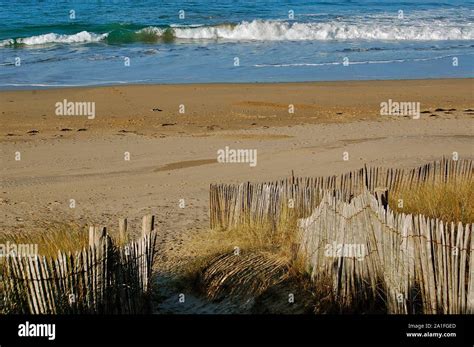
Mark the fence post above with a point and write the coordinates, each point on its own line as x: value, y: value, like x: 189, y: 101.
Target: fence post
x: 122, y: 231
x: 91, y: 236
x: 96, y: 233
x: 148, y: 224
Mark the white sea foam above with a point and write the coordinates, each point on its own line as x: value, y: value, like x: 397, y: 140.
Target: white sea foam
x: 390, y: 61
x: 275, y: 30
x: 152, y: 30
x: 259, y: 30
x: 81, y: 37
x: 6, y: 42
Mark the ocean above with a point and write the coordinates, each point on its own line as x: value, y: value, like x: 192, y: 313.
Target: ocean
x: 103, y: 42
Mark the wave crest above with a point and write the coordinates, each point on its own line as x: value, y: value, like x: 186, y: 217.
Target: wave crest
x: 81, y: 37
x: 285, y: 31
x: 259, y: 30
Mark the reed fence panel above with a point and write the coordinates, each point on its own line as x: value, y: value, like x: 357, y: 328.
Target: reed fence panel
x: 413, y: 263
x: 270, y: 202
x: 102, y: 278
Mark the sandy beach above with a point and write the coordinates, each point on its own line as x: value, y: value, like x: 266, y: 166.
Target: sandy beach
x: 173, y: 155
x: 209, y: 164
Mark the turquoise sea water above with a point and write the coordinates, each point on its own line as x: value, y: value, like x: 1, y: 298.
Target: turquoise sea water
x: 98, y: 42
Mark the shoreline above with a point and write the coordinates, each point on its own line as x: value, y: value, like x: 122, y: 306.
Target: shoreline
x: 18, y: 88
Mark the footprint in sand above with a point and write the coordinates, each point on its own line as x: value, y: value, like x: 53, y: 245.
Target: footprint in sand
x: 212, y: 127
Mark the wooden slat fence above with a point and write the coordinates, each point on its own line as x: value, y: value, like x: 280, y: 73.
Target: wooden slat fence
x: 105, y: 277
x: 413, y: 263
x: 267, y: 203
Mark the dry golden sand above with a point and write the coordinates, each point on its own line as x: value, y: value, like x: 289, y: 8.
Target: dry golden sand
x: 173, y: 162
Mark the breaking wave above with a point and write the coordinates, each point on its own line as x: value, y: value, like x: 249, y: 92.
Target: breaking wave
x: 259, y: 30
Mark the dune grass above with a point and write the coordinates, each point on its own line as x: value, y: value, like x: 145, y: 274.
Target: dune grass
x: 54, y: 236
x: 450, y: 202
x: 244, y: 239
x: 261, y: 236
